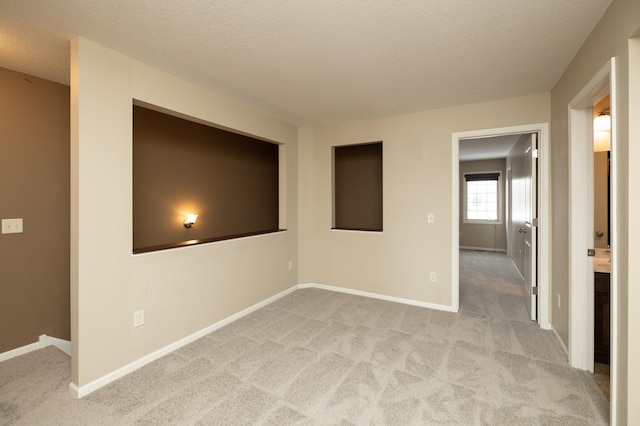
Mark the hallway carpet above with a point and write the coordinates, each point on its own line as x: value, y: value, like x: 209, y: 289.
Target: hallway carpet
x: 317, y: 357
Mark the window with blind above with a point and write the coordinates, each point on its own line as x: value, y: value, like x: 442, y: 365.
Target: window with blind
x: 482, y: 197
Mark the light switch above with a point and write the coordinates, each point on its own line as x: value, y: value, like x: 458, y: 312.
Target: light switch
x: 431, y: 218
x: 11, y: 226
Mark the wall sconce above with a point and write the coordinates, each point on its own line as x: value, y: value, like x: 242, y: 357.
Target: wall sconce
x: 602, y: 131
x: 602, y: 122
x: 190, y: 220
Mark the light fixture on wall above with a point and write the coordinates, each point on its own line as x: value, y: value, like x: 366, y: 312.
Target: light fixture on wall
x: 602, y: 131
x: 190, y: 220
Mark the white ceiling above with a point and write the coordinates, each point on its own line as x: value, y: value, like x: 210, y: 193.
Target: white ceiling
x: 486, y: 148
x: 317, y: 62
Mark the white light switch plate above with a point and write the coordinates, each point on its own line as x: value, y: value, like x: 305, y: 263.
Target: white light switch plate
x: 11, y: 226
x: 138, y: 318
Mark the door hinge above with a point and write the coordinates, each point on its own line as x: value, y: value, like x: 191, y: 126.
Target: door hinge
x: 534, y: 291
x: 535, y: 153
x: 534, y: 221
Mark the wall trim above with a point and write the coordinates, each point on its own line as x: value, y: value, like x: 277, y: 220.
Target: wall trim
x: 483, y: 249
x: 19, y: 351
x: 377, y: 296
x: 564, y: 347
x: 43, y: 342
x: 517, y: 270
x: 581, y: 283
x: 63, y: 345
x: 544, y: 213
x: 82, y: 391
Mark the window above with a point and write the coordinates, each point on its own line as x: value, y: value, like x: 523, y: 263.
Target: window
x: 482, y: 197
x: 357, y: 187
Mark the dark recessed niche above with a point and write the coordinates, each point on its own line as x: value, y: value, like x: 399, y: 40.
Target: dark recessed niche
x: 357, y: 187
x: 230, y: 180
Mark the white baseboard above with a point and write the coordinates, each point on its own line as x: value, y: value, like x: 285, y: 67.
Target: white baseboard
x: 566, y: 351
x: 63, y: 345
x: 378, y: 296
x: 82, y: 391
x: 43, y: 342
x: 497, y: 250
x: 517, y: 269
x: 19, y: 351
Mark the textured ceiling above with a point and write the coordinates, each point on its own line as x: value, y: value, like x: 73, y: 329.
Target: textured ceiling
x: 486, y: 148
x: 317, y: 62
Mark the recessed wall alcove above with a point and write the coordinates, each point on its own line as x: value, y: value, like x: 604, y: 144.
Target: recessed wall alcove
x: 180, y: 166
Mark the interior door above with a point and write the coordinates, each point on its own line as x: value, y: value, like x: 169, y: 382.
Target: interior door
x: 529, y: 230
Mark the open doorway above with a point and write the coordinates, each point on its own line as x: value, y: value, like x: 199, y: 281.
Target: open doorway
x: 542, y: 270
x: 493, y: 227
x: 588, y: 280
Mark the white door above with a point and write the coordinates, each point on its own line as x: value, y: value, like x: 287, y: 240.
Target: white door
x: 530, y: 229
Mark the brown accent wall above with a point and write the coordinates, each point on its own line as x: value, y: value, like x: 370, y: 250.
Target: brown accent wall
x: 180, y: 167
x: 34, y: 185
x: 358, y: 187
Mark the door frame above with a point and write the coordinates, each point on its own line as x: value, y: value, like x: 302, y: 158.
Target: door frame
x: 544, y: 211
x: 581, y: 297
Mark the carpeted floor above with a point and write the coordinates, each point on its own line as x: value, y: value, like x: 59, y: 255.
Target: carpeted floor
x: 319, y: 357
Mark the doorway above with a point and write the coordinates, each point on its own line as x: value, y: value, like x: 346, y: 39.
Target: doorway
x: 542, y: 130
x: 498, y: 202
x: 582, y: 286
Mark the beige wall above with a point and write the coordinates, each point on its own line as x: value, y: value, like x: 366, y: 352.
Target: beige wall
x: 417, y: 170
x: 478, y: 235
x: 182, y: 290
x: 609, y: 38
x: 34, y: 186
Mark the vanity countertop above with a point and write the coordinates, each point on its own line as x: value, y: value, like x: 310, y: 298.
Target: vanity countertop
x: 602, y: 261
x: 601, y: 265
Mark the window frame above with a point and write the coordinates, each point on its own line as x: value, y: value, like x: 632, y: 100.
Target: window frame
x: 499, y: 201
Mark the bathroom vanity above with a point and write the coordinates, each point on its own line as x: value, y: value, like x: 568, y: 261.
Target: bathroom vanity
x: 602, y: 317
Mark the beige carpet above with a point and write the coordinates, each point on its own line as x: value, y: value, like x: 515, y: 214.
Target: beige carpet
x: 319, y: 357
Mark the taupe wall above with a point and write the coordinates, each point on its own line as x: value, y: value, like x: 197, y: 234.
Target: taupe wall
x: 477, y: 235
x: 357, y: 182
x: 182, y: 167
x: 610, y: 38
x: 34, y: 185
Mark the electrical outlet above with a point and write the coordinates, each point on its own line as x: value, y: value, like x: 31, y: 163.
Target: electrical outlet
x: 138, y: 318
x: 432, y: 277
x: 290, y: 264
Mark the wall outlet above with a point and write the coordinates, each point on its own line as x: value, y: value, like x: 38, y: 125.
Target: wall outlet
x: 558, y: 299
x: 432, y: 277
x: 290, y: 264
x: 11, y: 226
x: 138, y: 318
